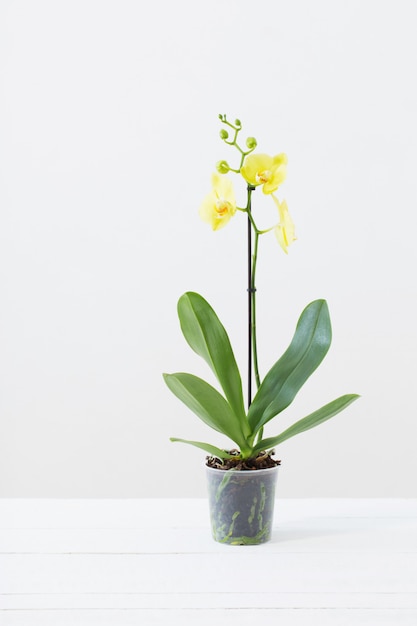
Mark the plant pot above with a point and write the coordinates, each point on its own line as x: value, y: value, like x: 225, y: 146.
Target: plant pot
x: 241, y: 504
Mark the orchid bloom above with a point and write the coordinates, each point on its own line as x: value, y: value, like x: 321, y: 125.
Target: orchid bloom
x: 220, y: 204
x: 285, y: 229
x: 262, y: 169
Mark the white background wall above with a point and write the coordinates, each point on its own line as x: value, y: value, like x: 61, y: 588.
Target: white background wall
x: 109, y: 135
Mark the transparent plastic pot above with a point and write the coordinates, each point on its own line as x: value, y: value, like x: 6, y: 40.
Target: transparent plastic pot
x: 241, y: 504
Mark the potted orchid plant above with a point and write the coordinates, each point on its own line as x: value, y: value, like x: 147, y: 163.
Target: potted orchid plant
x: 241, y: 479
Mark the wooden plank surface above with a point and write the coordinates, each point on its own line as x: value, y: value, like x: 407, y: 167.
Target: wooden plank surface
x: 309, y: 535
x: 153, y: 562
x: 182, y: 513
x: 202, y: 617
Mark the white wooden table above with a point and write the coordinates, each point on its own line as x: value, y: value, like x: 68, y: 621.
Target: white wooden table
x: 145, y: 562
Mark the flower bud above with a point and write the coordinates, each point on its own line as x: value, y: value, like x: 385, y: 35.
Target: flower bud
x: 222, y: 167
x: 251, y: 143
x: 224, y: 134
x: 238, y: 123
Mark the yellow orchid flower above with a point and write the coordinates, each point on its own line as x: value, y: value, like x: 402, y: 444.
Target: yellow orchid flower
x: 220, y: 204
x: 262, y: 169
x: 285, y: 229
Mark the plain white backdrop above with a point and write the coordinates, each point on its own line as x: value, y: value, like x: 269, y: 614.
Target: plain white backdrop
x: 109, y: 135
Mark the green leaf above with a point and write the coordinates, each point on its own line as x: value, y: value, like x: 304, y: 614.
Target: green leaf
x: 308, y: 348
x: 213, y: 450
x: 312, y: 420
x: 207, y: 403
x: 207, y: 336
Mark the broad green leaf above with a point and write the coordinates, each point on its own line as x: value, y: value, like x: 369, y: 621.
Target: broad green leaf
x: 207, y: 403
x: 312, y: 420
x: 213, y: 450
x: 308, y: 348
x: 207, y: 336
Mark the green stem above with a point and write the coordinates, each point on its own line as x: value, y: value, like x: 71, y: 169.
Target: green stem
x: 233, y: 142
x: 253, y: 297
x: 252, y: 261
x: 250, y: 303
x: 252, y: 264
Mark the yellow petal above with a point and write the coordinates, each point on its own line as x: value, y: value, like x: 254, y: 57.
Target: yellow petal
x: 285, y: 230
x: 280, y: 159
x: 219, y: 205
x: 223, y: 187
x: 262, y: 169
x: 256, y: 167
x: 280, y: 235
x: 278, y: 175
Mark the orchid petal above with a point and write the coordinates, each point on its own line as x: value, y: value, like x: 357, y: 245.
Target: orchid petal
x: 262, y: 169
x: 285, y: 229
x: 220, y: 204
